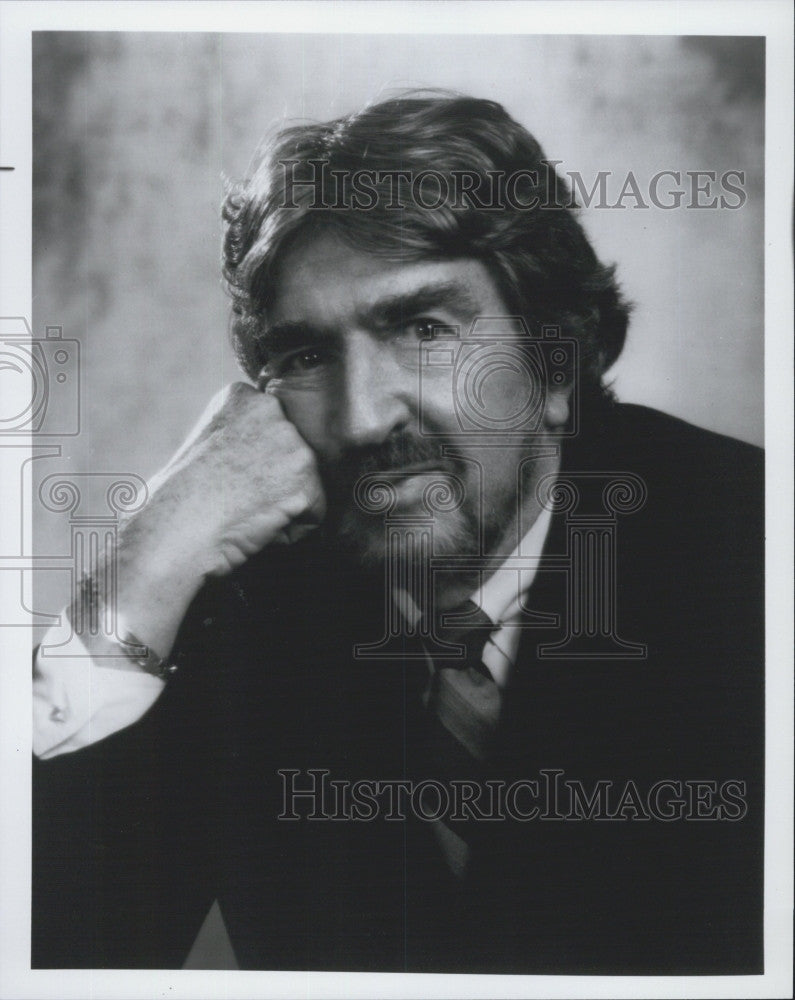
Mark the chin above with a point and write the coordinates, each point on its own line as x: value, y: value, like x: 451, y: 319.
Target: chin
x: 364, y: 538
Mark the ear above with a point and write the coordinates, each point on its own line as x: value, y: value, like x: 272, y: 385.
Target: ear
x: 556, y: 408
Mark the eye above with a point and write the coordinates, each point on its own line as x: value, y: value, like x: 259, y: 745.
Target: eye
x: 307, y: 360
x: 424, y: 327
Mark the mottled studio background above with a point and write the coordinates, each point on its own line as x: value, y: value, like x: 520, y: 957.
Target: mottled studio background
x: 134, y: 133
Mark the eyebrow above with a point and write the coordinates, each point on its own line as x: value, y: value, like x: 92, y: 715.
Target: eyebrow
x: 394, y: 309
x: 387, y: 312
x: 283, y: 337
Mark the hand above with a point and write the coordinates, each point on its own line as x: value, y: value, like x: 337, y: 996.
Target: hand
x: 243, y: 480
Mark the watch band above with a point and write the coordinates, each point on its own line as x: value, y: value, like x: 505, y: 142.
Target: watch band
x: 140, y: 654
x: 85, y: 615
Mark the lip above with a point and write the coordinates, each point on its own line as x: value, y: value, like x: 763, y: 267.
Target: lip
x: 408, y: 471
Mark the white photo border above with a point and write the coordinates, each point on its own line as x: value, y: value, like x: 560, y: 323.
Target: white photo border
x: 771, y: 18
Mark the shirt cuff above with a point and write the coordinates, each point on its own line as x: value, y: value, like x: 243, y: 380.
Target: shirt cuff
x: 77, y: 702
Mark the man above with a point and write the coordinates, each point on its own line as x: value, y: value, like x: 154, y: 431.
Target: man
x: 427, y: 458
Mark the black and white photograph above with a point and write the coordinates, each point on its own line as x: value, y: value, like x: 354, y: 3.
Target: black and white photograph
x: 397, y: 558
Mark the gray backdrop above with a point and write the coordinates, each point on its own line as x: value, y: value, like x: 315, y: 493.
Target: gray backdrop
x: 134, y: 133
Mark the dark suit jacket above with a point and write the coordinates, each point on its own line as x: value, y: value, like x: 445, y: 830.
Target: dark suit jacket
x: 135, y: 836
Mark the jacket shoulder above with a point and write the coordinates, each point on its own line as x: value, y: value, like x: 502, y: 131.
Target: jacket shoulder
x: 634, y: 427
x: 679, y: 459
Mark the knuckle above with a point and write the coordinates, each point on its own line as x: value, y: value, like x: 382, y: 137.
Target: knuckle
x: 228, y: 394
x: 303, y: 498
x: 237, y: 395
x: 238, y: 389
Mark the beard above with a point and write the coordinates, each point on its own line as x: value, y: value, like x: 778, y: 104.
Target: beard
x: 461, y: 521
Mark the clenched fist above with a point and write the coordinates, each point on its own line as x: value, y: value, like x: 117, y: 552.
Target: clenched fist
x: 243, y: 480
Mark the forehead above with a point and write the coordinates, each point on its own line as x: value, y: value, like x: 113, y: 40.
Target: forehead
x: 326, y: 281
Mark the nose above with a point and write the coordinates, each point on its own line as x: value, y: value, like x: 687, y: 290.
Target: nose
x: 376, y: 392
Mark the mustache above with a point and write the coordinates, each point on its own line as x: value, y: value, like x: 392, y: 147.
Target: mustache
x: 398, y: 452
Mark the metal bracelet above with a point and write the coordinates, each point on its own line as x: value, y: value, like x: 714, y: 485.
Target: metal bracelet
x: 123, y: 642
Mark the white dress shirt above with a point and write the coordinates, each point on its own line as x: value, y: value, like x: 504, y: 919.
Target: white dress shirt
x: 78, y: 701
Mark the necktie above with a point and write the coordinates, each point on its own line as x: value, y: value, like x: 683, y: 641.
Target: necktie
x: 461, y: 710
x: 462, y: 694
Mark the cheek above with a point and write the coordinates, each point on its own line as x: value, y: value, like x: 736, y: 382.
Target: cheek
x: 506, y: 394
x: 311, y: 413
x: 436, y: 408
x: 487, y: 389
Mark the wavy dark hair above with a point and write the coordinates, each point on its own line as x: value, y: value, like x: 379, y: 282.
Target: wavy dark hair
x: 540, y: 258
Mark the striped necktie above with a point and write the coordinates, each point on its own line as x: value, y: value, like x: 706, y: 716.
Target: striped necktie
x: 462, y: 708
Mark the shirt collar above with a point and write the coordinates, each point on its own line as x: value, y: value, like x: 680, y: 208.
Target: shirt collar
x: 500, y: 596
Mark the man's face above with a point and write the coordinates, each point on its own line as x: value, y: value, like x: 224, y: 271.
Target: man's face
x: 344, y: 336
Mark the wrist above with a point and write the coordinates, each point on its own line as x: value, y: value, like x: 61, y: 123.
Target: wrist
x: 127, y: 610
x: 106, y: 634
